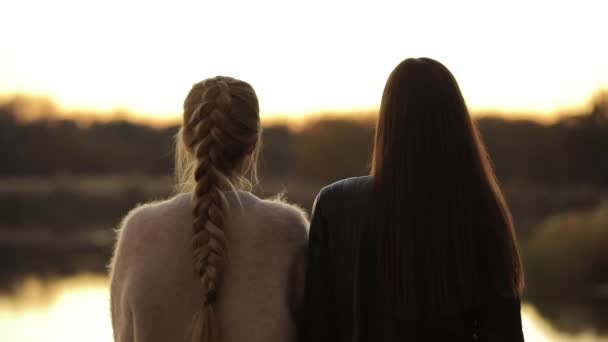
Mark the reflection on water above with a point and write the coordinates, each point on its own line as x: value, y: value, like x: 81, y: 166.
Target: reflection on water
x: 538, y: 329
x: 72, y: 309
x: 77, y: 309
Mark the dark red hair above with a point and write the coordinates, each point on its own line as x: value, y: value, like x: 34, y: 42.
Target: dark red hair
x: 445, y: 238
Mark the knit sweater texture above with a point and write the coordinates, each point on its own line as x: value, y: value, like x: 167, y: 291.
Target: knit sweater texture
x: 155, y: 291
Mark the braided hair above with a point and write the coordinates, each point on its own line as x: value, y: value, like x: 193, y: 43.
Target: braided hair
x: 221, y: 132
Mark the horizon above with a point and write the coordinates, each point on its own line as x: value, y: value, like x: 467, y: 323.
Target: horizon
x: 91, y: 130
x: 107, y: 57
x: 28, y: 108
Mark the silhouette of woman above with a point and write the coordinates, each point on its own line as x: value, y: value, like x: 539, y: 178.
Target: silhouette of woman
x: 215, y: 262
x: 422, y: 249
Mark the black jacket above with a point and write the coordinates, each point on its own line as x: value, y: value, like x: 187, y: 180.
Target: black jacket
x: 342, y: 301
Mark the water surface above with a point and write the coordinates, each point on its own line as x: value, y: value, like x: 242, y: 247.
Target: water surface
x: 77, y: 309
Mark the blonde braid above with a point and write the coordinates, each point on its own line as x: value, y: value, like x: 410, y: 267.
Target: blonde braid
x: 220, y: 134
x: 209, y: 239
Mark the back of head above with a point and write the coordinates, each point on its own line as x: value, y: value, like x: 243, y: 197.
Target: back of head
x: 217, y: 145
x: 445, y: 239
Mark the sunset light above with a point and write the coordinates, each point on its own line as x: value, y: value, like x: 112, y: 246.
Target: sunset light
x: 125, y: 217
x: 142, y: 56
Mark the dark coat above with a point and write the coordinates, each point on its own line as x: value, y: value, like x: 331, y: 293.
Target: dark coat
x: 343, y: 301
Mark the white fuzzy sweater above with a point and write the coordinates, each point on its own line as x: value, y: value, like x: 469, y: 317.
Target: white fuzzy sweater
x: 155, y: 291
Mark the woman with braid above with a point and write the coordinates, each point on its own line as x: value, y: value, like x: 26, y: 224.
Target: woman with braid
x: 214, y: 263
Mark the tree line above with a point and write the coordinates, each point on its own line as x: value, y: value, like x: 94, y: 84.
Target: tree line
x: 572, y: 150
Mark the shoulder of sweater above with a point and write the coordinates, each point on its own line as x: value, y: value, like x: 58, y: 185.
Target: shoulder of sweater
x: 156, y: 211
x: 149, y: 215
x: 288, y: 220
x: 279, y: 209
x: 143, y: 222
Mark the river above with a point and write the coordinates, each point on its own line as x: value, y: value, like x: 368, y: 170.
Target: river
x: 77, y: 309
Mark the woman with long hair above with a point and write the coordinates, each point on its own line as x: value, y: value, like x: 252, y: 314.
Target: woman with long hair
x: 422, y: 249
x: 214, y: 263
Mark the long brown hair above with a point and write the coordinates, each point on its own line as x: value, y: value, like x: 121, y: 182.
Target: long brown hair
x: 218, y: 142
x: 445, y: 238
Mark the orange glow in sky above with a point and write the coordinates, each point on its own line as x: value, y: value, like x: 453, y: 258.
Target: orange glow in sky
x: 307, y: 56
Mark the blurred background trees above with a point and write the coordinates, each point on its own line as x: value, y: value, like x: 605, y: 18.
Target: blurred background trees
x: 64, y: 186
x: 571, y: 150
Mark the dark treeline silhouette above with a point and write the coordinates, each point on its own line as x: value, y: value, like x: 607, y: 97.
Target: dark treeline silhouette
x: 571, y: 151
x: 544, y: 168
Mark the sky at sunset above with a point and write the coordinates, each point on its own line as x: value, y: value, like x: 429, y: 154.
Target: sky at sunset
x: 302, y: 57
